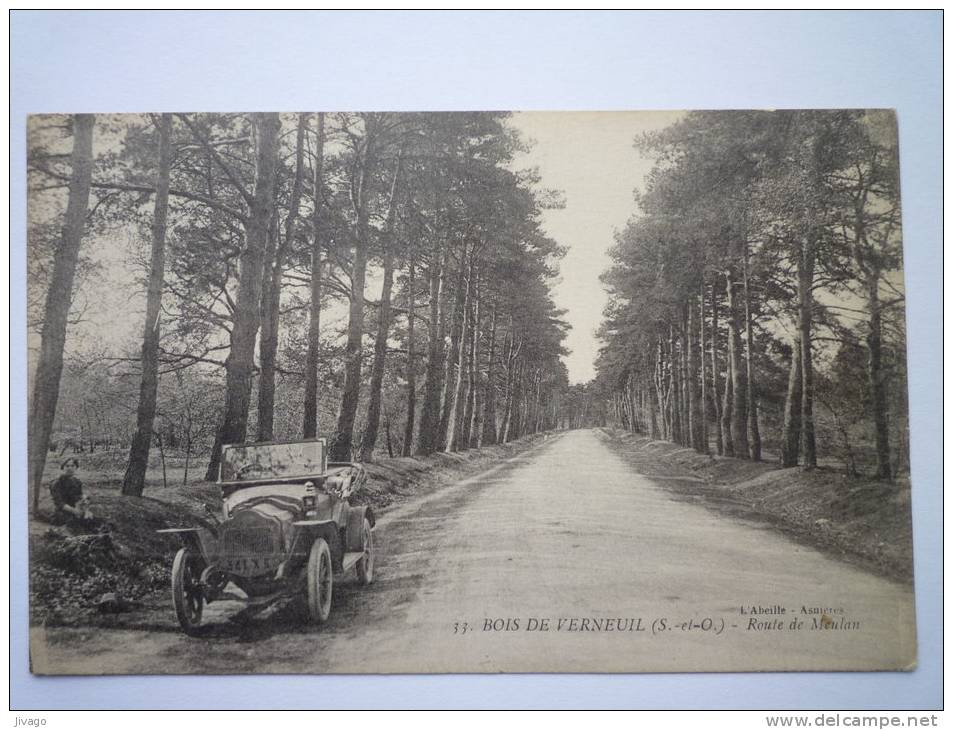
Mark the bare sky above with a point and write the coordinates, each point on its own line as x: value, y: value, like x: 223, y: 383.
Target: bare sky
x: 591, y: 158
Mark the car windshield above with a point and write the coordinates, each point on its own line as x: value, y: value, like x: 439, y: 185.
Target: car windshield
x: 256, y: 462
x: 282, y: 491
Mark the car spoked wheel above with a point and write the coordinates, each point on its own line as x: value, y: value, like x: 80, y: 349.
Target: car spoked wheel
x: 187, y: 593
x: 365, y: 566
x: 320, y: 582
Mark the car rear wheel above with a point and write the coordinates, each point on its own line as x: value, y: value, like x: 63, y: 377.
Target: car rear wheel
x: 365, y: 566
x: 320, y: 582
x: 187, y: 589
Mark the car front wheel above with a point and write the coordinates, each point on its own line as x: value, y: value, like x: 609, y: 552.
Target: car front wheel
x: 320, y: 582
x: 187, y: 593
x: 365, y: 566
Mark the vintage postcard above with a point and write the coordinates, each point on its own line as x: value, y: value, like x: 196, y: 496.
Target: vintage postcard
x: 381, y: 392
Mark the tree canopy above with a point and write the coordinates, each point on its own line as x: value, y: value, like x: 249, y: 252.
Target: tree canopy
x: 353, y: 275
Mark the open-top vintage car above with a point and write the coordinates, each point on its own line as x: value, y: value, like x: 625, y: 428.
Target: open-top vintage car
x: 286, y: 525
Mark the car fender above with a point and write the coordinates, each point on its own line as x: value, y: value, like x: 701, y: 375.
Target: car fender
x: 317, y: 528
x: 355, y: 526
x: 200, y: 539
x: 307, y: 531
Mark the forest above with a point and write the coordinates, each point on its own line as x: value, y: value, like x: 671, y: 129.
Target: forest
x: 378, y: 279
x: 756, y: 303
x: 385, y: 281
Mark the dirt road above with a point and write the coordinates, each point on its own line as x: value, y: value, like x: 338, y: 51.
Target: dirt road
x: 564, y: 558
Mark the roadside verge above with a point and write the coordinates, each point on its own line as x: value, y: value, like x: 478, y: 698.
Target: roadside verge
x: 861, y: 521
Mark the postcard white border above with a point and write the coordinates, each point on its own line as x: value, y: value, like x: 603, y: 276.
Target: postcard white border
x: 202, y: 61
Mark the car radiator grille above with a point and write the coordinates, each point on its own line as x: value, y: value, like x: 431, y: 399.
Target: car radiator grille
x: 249, y: 541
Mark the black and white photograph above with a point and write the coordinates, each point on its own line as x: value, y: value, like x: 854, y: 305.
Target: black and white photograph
x: 377, y: 392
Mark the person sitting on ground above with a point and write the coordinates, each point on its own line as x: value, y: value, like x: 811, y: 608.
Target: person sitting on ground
x: 68, y: 498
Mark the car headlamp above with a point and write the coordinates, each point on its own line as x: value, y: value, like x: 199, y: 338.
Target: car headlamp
x: 309, y: 499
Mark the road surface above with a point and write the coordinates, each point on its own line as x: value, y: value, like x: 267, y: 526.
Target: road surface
x: 563, y: 558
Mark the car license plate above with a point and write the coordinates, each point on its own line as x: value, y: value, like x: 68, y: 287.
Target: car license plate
x: 251, y: 564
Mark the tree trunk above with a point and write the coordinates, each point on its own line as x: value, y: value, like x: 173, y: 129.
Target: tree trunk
x: 407, y: 447
x: 240, y: 365
x: 537, y: 405
x: 706, y: 444
x: 628, y: 404
x: 512, y: 431
x: 679, y: 387
x: 430, y: 411
x: 507, y: 409
x: 455, y: 361
x: 268, y: 339
x: 869, y: 272
x: 739, y: 403
x: 380, y: 354
x: 637, y: 405
x: 188, y: 457
x: 271, y: 298
x: 876, y: 379
x: 470, y: 416
x: 664, y: 429
x: 486, y: 434
x: 726, y: 408
x: 310, y: 426
x: 754, y: 433
x: 383, y: 327
x: 388, y: 439
x: 508, y: 387
x: 165, y: 481
x: 694, y: 396
x: 46, y: 383
x: 342, y: 442
x: 684, y: 347
x: 134, y: 478
x: 715, y: 373
x: 805, y: 317
x: 526, y: 413
x: 675, y: 387
x: 266, y: 398
x: 653, y: 420
x: 791, y: 431
x: 625, y: 401
x: 457, y: 406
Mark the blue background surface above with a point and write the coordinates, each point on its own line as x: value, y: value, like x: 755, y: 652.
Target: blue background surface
x: 292, y: 61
